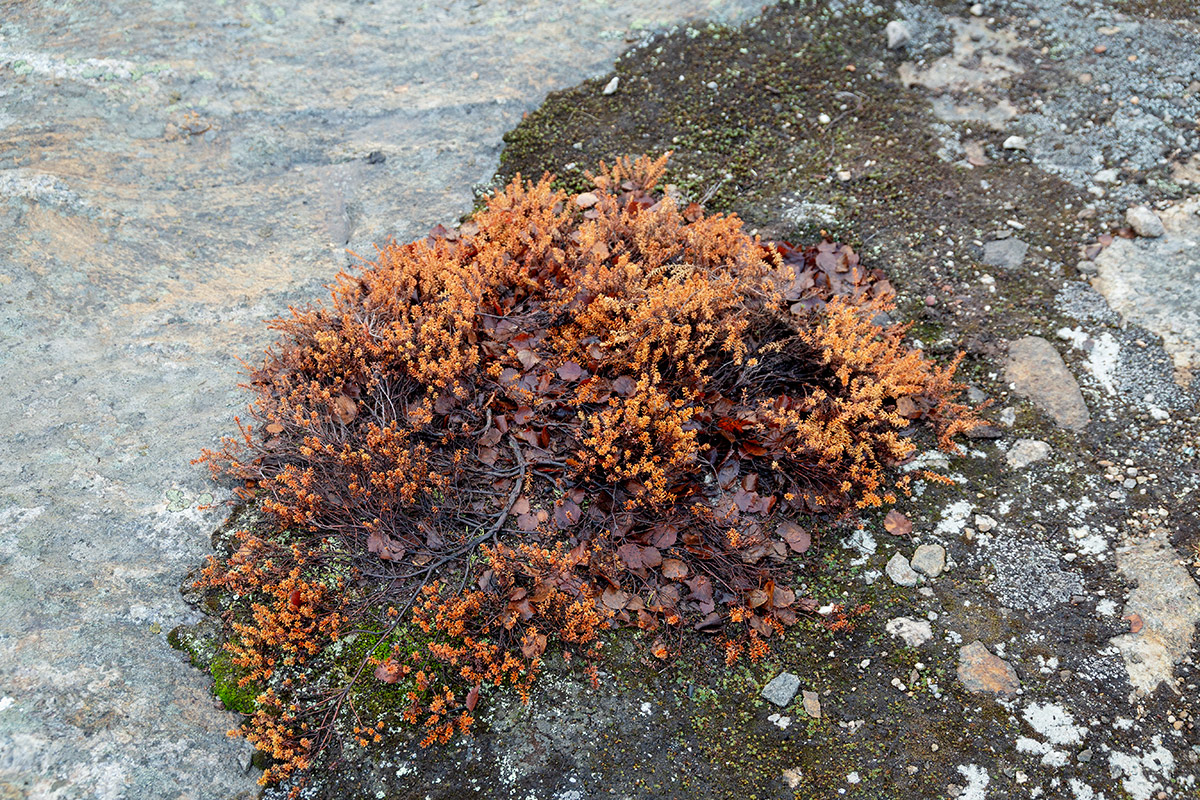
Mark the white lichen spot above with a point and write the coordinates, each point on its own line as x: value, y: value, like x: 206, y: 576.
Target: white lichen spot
x: 1139, y: 771
x: 977, y: 782
x: 1054, y: 723
x: 954, y: 518
x: 1050, y: 756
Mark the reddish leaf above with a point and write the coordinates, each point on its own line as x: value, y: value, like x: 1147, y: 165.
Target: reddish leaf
x: 782, y: 598
x: 472, y: 697
x: 651, y: 557
x: 753, y: 553
x: 796, y: 537
x: 521, y: 506
x: 663, y: 536
x: 897, y: 524
x: 786, y: 615
x: 567, y: 513
x: 624, y: 386
x: 274, y: 427
x: 570, y: 371
x: 907, y: 408
x: 674, y: 569
x: 756, y: 598
x: 615, y: 598
x: 659, y: 649
x: 528, y: 359
x: 630, y: 555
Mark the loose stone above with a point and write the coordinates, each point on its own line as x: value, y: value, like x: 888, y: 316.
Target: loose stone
x: 1025, y: 452
x: 1145, y: 222
x: 812, y: 704
x: 982, y: 672
x: 781, y: 689
x: 913, y: 632
x: 898, y: 34
x: 1037, y: 371
x: 900, y: 572
x: 929, y: 559
x: 1005, y: 253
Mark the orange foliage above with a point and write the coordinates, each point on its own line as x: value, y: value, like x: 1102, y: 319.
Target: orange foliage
x: 616, y: 392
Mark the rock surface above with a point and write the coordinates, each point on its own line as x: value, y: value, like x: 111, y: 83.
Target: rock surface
x: 1036, y: 370
x: 982, y: 672
x: 901, y: 573
x: 1163, y: 611
x: 1005, y: 253
x: 1133, y: 272
x: 172, y: 175
x: 1145, y: 222
x: 898, y: 34
x: 781, y: 689
x: 1025, y: 452
x: 914, y: 632
x: 812, y: 704
x: 929, y: 560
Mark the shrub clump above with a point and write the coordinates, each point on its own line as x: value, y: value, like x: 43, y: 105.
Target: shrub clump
x: 574, y: 412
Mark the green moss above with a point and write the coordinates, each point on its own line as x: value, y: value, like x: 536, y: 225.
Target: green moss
x: 225, y: 685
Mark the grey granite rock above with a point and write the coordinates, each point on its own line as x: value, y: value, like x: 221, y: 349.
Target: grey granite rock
x: 781, y: 689
x: 1025, y: 452
x: 1163, y: 609
x: 1152, y: 282
x: 1005, y: 253
x: 982, y: 672
x: 913, y: 632
x: 173, y: 174
x: 900, y: 572
x: 1145, y: 222
x: 929, y: 560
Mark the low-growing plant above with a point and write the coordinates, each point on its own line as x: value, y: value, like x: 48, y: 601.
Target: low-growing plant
x: 574, y: 412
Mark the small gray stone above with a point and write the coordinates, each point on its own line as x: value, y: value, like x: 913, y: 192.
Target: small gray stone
x: 1085, y: 755
x: 1005, y: 253
x: 1025, y: 452
x: 611, y: 86
x: 1037, y: 371
x: 781, y: 689
x: 1015, y: 143
x: 1086, y: 267
x: 898, y: 34
x: 929, y: 559
x: 1145, y: 222
x: 900, y: 572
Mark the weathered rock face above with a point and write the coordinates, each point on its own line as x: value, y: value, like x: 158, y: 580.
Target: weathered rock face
x: 173, y: 174
x: 982, y: 672
x: 1133, y: 274
x: 1163, y: 611
x: 1037, y: 371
